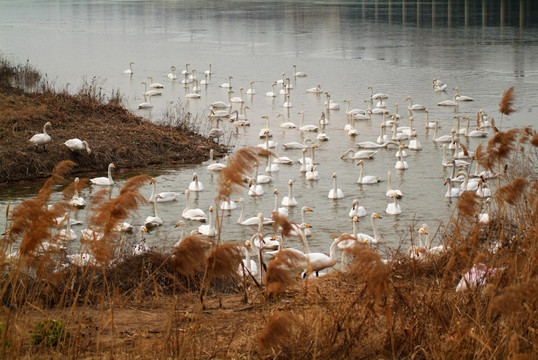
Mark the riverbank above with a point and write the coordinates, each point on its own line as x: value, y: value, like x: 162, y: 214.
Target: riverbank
x: 114, y: 134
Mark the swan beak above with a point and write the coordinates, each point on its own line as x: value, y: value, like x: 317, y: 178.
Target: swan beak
x: 145, y: 229
x: 178, y: 224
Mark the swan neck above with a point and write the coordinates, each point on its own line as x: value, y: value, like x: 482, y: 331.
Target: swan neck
x: 241, y: 214
x: 109, y: 173
x: 389, y: 185
x: 155, y: 206
x: 375, y: 228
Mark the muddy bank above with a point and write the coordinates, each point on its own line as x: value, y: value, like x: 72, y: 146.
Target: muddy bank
x: 114, y: 135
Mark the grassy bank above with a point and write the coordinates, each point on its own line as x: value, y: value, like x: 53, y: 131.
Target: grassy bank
x: 28, y: 101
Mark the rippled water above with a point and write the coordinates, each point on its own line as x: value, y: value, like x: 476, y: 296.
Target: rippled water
x: 344, y: 47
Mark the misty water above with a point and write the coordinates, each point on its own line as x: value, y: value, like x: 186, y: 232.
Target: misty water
x: 397, y: 48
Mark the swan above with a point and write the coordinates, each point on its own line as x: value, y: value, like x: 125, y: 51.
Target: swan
x: 67, y: 234
x: 401, y: 164
x: 208, y: 229
x: 186, y: 70
x: 130, y: 69
x: 312, y: 174
x: 452, y: 102
x: 483, y: 218
x: 266, y: 131
x: 329, y: 104
x: 287, y: 103
x: 222, y: 104
x: 306, y: 163
x: 76, y: 144
x: 172, y: 74
x: 272, y: 92
x: 430, y: 124
x: 320, y: 261
x: 309, y: 160
x: 254, y: 220
x: 297, y: 145
x: 460, y: 97
x: 195, y: 184
x: 438, y: 85
x: 483, y: 189
x: 414, y: 144
x: 425, y: 230
x: 443, y: 138
x: 373, y: 145
x: 356, y: 210
x: 460, y: 131
x: 353, y: 111
x: 390, y: 191
x: 322, y: 135
x: 209, y: 72
x: 271, y: 167
x: 104, y: 181
x: 281, y: 159
x: 365, y: 238
x: 251, y: 91
x: 450, y: 191
x: 414, y: 107
x: 267, y: 144
x: 281, y: 210
x: 43, y: 138
x: 366, y: 179
x: 393, y: 208
x: 335, y: 193
x: 146, y: 104
x: 303, y: 127
x: 453, y: 162
x: 468, y: 184
x: 165, y: 196
x: 227, y: 85
x: 154, y: 85
x: 255, y: 189
x: 141, y: 247
x: 382, y: 138
x: 191, y: 94
x: 216, y: 114
x: 474, y: 133
x: 238, y: 99
x: 260, y: 179
x: 314, y: 90
x: 76, y: 201
x: 192, y: 76
x: 362, y: 154
x: 214, y: 166
x: 205, y: 81
x: 228, y: 205
x: 376, y: 95
x: 286, y: 124
x: 195, y: 214
x: 289, y: 200
x: 155, y: 220
x: 297, y: 73
x: 152, y: 92
x: 215, y: 132
x: 247, y: 263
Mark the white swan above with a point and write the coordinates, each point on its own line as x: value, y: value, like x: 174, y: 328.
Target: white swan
x: 208, y: 229
x: 271, y: 167
x: 289, y: 200
x: 186, y: 70
x: 297, y: 73
x: 141, y: 247
x: 373, y: 145
x: 255, y: 189
x: 286, y: 124
x: 460, y: 97
x: 209, y: 72
x: 393, y: 208
x: 368, y: 239
x: 67, y: 234
x: 297, y: 145
x: 430, y: 124
x: 146, y: 104
x: 281, y: 159
x: 213, y: 165
x: 401, y: 164
x: 329, y: 104
x: 483, y: 189
x: 366, y: 179
x: 414, y: 107
x: 483, y: 218
x: 76, y: 144
x: 362, y: 154
x: 155, y: 220
x: 474, y: 133
x: 312, y: 174
x: 443, y: 138
x: 172, y: 74
x: 303, y: 127
x: 266, y: 131
x: 281, y: 210
x: 165, y: 196
x: 356, y: 210
x: 104, y: 181
x: 130, y: 69
x: 450, y: 191
x: 154, y: 85
x: 414, y: 144
x: 452, y: 102
x: 390, y: 191
x: 260, y: 178
x: 287, y: 103
x: 254, y: 220
x: 335, y: 192
x: 438, y: 85
x: 314, y: 90
x: 238, y: 99
x: 320, y: 261
x: 195, y: 184
x: 43, y: 138
x: 227, y: 85
x: 383, y: 137
x: 195, y: 214
x: 272, y: 92
x: 77, y: 201
x: 222, y: 104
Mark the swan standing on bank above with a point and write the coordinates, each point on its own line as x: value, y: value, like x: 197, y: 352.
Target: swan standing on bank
x: 43, y: 138
x: 76, y: 145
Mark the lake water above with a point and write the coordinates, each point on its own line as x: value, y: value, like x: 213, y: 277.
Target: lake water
x: 396, y: 47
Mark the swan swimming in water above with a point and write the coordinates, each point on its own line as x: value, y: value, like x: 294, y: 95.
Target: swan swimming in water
x: 366, y: 179
x: 356, y: 210
x: 335, y: 192
x: 189, y: 213
x: 104, y: 181
x: 393, y: 208
x: 130, y: 69
x: 289, y: 200
x: 390, y: 191
x: 155, y: 220
x: 362, y: 154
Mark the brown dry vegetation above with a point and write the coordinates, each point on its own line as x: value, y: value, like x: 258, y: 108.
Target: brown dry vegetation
x: 115, y: 135
x: 187, y: 303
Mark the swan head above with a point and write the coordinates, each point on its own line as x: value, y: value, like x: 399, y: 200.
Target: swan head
x: 111, y: 166
x: 211, y: 209
x: 290, y: 182
x: 304, y: 150
x: 355, y: 219
x: 179, y: 223
x: 407, y: 98
x: 152, y: 181
x: 143, y: 229
x: 275, y: 192
x: 376, y: 216
x: 360, y: 163
x: 334, y: 175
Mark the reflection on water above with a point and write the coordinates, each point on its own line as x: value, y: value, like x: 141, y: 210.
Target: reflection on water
x: 398, y: 47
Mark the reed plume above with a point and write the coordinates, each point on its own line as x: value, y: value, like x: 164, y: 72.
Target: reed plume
x: 468, y: 204
x: 281, y: 221
x: 225, y: 259
x: 284, y: 270
x: 506, y: 104
x: 511, y: 193
x: 74, y: 187
x: 277, y: 330
x: 369, y: 267
x: 190, y: 255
